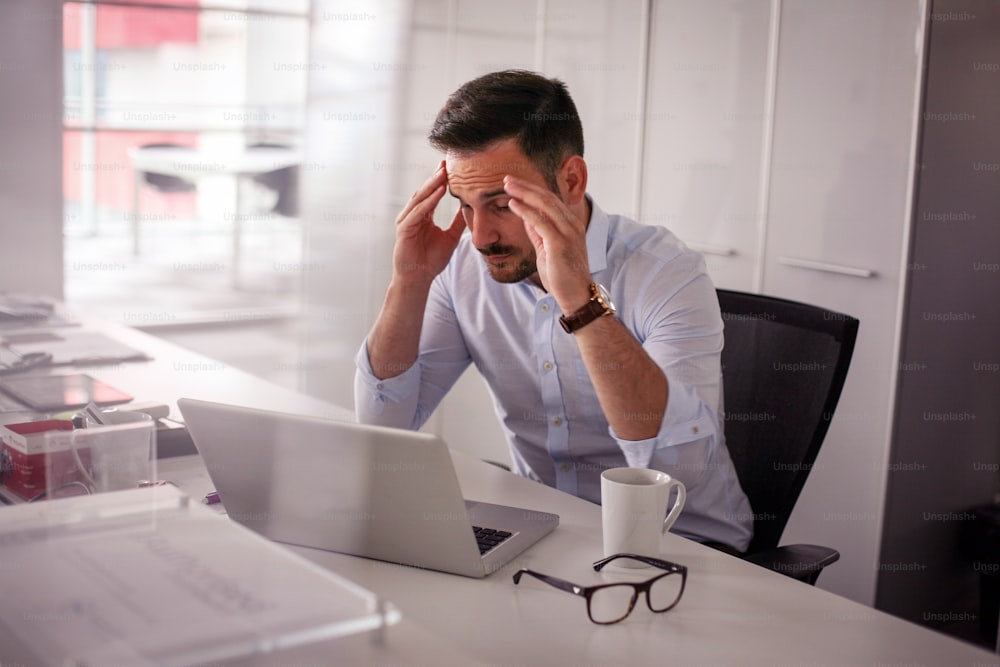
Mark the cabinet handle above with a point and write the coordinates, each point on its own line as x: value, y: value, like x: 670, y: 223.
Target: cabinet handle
x: 824, y: 266
x: 709, y: 249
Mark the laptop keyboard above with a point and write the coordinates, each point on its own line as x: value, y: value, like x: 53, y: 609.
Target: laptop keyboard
x: 487, y: 538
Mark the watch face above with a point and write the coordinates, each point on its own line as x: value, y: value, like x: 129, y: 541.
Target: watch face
x: 598, y: 306
x: 605, y: 297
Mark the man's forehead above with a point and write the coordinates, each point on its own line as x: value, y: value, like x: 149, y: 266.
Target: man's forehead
x: 485, y: 165
x: 481, y: 174
x: 483, y: 196
x: 478, y: 181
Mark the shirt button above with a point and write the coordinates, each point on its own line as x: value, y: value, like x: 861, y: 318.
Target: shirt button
x: 548, y: 366
x: 694, y: 429
x: 545, y: 307
x: 556, y: 421
x: 564, y: 467
x: 379, y: 386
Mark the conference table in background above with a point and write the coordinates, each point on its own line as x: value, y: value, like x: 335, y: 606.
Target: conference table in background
x: 732, y: 612
x: 192, y: 164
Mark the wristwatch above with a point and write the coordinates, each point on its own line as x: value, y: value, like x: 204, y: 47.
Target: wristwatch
x: 599, y: 305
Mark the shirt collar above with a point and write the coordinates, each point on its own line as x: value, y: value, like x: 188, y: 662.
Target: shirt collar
x: 597, y: 238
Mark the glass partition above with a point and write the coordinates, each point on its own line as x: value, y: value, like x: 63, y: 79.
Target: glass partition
x: 214, y: 81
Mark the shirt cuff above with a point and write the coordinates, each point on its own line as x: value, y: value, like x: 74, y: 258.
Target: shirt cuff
x: 394, y: 389
x: 685, y: 420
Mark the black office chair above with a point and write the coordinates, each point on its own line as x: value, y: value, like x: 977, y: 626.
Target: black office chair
x: 283, y: 181
x: 783, y: 365
x: 166, y: 182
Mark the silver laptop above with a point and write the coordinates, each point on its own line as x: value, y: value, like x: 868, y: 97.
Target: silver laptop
x: 368, y: 491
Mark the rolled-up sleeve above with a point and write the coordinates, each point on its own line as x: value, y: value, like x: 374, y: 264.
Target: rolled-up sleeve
x: 678, y: 321
x: 407, y: 400
x: 686, y: 420
x: 386, y: 402
x: 682, y: 332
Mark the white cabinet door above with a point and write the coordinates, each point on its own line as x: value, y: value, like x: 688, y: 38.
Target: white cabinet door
x: 705, y: 122
x: 848, y: 75
x: 594, y: 46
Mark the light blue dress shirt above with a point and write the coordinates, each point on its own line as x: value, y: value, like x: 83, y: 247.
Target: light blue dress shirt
x: 541, y: 390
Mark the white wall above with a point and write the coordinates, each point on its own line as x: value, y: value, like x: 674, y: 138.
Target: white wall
x: 31, y: 211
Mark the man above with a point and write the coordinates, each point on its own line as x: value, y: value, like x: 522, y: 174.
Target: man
x: 598, y: 337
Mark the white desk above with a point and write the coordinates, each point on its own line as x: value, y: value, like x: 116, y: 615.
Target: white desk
x: 195, y: 163
x: 174, y: 372
x: 732, y: 612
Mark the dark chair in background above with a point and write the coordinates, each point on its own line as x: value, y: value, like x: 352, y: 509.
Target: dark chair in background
x: 783, y: 365
x: 284, y: 181
x: 166, y: 183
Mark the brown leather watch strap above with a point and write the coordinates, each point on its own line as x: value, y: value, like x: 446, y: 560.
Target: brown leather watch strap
x: 587, y: 313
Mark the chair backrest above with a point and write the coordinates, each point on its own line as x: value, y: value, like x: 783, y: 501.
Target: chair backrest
x: 783, y: 365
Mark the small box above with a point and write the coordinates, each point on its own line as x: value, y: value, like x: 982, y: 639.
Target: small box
x: 25, y: 470
x: 50, y: 459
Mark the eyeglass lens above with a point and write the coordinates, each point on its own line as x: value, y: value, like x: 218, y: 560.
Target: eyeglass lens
x: 612, y: 603
x: 665, y: 591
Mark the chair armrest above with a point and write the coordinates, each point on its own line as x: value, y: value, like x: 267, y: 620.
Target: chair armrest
x: 798, y: 561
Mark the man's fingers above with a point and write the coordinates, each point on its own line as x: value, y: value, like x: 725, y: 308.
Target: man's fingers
x: 436, y: 180
x: 536, y: 223
x: 546, y: 209
x: 422, y: 209
x: 531, y: 216
x: 457, y: 226
x: 536, y: 239
x: 530, y: 193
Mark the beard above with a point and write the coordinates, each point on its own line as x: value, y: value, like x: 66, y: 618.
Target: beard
x: 513, y: 270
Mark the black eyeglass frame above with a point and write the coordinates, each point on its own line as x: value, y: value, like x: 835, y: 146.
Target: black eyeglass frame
x: 587, y: 592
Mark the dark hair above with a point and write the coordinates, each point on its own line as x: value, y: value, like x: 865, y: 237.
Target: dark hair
x: 538, y: 112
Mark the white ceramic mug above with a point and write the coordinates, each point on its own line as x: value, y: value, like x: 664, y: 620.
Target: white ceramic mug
x: 633, y: 505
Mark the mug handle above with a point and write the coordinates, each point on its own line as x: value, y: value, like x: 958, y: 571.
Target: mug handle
x: 675, y: 511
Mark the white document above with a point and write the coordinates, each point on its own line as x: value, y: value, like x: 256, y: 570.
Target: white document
x: 146, y: 577
x: 72, y: 346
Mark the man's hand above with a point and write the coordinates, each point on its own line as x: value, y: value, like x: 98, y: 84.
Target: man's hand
x: 626, y: 379
x: 422, y: 248
x: 422, y: 251
x: 560, y: 240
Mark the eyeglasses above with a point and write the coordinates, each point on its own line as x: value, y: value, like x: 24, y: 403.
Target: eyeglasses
x: 611, y: 603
